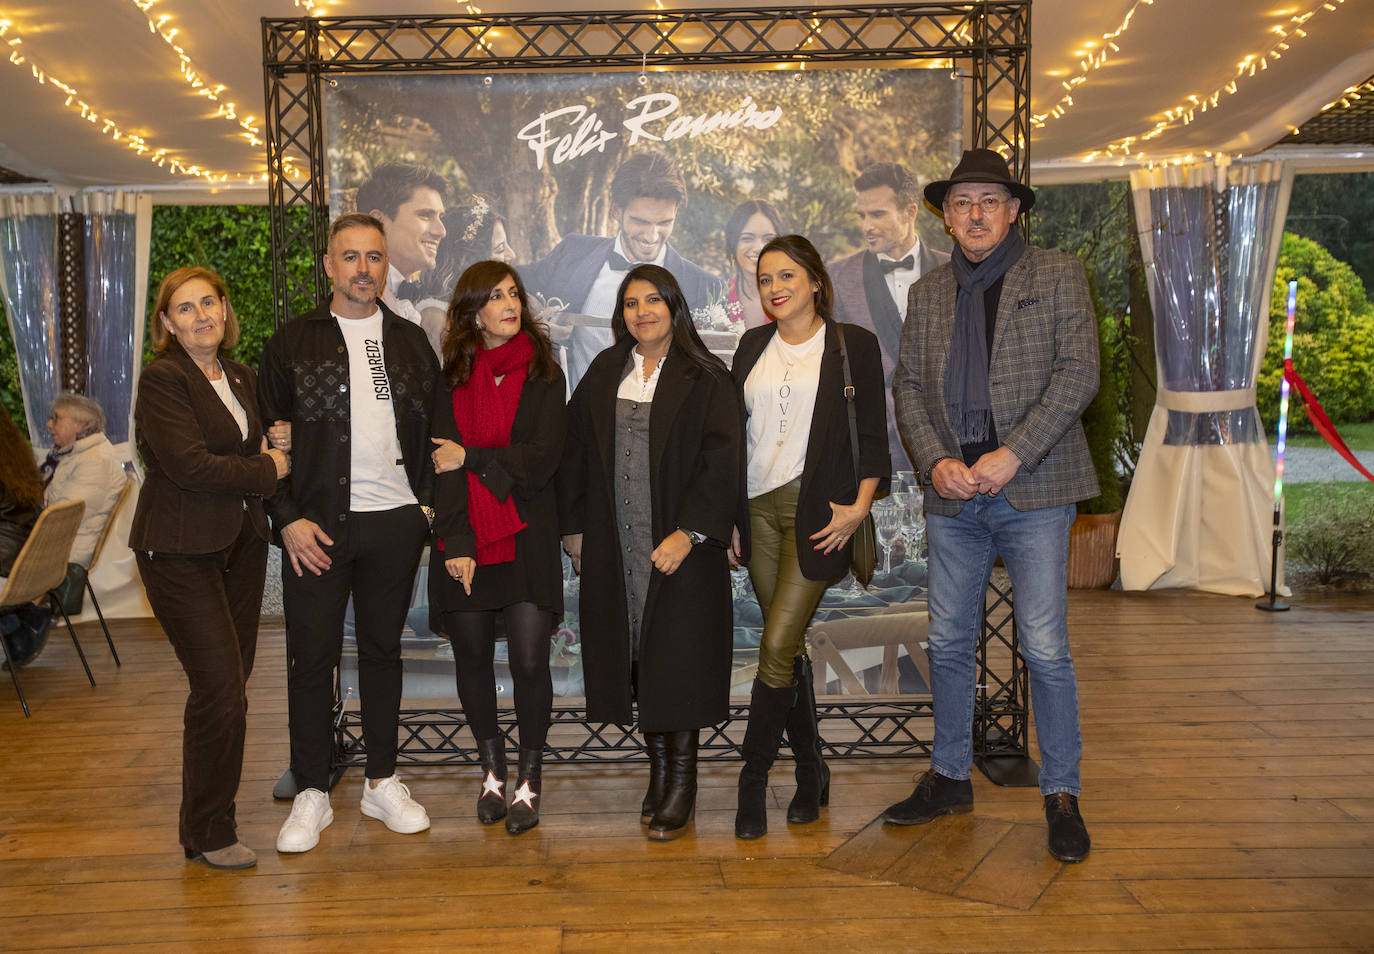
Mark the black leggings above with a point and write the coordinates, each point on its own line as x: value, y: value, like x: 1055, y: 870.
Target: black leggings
x: 529, y: 633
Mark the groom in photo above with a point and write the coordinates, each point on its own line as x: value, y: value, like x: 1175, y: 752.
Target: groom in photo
x: 585, y: 271
x: 871, y: 285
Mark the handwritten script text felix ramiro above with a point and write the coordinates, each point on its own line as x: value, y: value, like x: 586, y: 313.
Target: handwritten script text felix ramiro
x: 573, y: 131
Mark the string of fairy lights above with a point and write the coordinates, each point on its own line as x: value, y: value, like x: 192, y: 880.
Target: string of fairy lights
x: 1092, y: 61
x: 1095, y: 56
x: 1285, y: 34
x: 160, y: 156
x: 1349, y: 95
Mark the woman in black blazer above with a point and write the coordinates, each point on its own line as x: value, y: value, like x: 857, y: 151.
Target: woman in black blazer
x: 803, y: 504
x: 648, y: 486
x: 500, y: 435
x: 199, y: 536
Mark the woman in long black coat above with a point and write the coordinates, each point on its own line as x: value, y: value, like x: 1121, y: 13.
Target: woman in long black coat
x: 647, y: 487
x: 499, y: 433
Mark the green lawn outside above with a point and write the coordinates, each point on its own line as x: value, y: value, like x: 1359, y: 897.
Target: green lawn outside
x: 1356, y: 436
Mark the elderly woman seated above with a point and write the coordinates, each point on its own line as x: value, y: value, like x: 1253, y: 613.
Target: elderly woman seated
x: 82, y: 466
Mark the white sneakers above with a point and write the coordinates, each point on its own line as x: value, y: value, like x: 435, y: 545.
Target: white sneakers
x: 310, y: 815
x: 391, y: 804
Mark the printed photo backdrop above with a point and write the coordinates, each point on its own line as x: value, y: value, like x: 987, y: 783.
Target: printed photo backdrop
x: 538, y: 151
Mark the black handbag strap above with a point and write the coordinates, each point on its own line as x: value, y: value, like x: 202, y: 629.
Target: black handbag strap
x: 849, y: 404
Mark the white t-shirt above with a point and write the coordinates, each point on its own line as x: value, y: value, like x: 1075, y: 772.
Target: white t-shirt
x: 780, y: 395
x: 378, y: 477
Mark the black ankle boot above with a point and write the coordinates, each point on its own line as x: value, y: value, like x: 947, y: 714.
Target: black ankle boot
x: 524, y: 803
x: 768, y: 708
x: 679, y: 802
x: 491, y: 802
x: 657, y: 747
x: 803, y: 734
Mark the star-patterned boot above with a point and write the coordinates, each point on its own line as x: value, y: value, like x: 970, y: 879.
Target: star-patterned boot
x: 491, y: 803
x: 524, y: 802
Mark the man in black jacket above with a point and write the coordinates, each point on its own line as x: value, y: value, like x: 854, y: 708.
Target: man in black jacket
x: 356, y: 383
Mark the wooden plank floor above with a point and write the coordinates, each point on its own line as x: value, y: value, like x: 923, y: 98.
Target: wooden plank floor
x: 1229, y: 790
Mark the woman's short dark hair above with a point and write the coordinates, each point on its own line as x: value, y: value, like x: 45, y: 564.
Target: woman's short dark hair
x: 685, y: 336
x: 800, y: 250
x: 746, y: 210
x: 462, y: 336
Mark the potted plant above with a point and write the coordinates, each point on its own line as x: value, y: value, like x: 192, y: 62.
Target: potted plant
x: 1092, y: 540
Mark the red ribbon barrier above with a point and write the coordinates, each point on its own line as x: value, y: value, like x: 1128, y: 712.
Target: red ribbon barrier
x: 1319, y: 420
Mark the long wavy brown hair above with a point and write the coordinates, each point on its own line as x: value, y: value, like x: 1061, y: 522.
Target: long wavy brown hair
x: 462, y: 337
x: 18, y: 473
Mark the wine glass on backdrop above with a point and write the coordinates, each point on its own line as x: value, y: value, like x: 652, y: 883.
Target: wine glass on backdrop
x: 887, y: 520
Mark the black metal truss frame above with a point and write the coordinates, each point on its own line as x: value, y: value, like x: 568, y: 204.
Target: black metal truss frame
x: 989, y: 41
x: 877, y: 727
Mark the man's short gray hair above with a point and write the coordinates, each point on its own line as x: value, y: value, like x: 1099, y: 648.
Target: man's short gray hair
x: 83, y: 409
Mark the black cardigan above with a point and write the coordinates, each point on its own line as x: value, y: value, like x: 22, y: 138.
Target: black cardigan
x: 523, y: 471
x: 828, y: 473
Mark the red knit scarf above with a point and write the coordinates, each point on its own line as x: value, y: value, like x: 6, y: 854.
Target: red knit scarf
x: 484, y: 414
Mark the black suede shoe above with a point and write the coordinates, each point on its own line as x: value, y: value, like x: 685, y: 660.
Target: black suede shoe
x: 934, y: 796
x: 1068, y: 835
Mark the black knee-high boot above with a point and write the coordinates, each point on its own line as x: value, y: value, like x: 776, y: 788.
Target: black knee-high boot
x: 656, y: 745
x: 491, y: 803
x: 680, y: 795
x: 524, y: 805
x: 768, y: 708
x: 803, y: 734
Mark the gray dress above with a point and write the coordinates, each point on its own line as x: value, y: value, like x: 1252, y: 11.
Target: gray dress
x: 634, y: 515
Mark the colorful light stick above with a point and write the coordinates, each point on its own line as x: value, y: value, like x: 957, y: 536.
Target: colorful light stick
x: 1272, y: 603
x: 1283, y: 393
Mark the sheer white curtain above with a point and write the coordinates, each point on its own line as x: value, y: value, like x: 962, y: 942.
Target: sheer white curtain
x: 31, y: 286
x: 1200, y: 510
x: 117, y: 230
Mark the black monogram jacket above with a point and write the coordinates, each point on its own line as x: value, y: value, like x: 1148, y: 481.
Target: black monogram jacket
x: 303, y: 378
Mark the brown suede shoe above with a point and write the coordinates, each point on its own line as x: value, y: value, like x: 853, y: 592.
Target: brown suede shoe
x: 238, y: 855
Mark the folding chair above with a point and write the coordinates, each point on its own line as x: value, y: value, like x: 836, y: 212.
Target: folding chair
x: 95, y: 556
x: 39, y: 569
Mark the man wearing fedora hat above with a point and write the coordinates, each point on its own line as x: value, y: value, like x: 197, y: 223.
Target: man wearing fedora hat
x: 998, y: 360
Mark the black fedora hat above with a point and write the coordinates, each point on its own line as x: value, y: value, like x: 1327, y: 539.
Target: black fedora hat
x: 979, y: 165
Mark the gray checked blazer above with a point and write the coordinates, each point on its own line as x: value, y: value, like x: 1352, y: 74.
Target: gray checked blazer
x: 1042, y: 374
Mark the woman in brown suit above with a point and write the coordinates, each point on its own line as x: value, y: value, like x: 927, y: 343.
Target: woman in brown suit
x: 200, y: 539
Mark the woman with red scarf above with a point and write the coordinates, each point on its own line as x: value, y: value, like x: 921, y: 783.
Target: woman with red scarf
x: 499, y: 439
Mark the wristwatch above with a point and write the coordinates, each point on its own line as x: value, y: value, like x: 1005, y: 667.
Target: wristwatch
x: 694, y: 535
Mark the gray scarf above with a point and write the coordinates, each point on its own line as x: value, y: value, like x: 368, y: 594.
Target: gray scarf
x: 966, y: 376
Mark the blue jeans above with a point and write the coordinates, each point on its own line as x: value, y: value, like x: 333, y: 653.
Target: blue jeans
x: 1034, y: 546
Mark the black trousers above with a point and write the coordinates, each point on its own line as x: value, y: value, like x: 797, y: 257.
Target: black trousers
x: 374, y: 558
x: 209, y: 606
